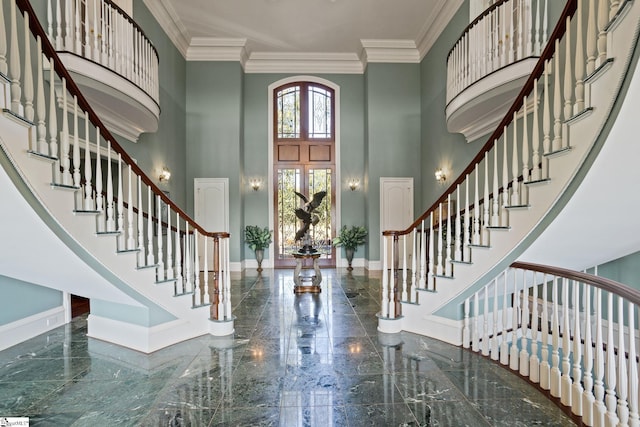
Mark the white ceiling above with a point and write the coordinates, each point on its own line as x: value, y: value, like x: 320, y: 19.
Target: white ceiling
x: 304, y: 35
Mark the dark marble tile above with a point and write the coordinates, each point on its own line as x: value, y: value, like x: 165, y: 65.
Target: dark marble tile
x: 520, y: 412
x: 17, y: 397
x: 369, y: 389
x: 315, y: 414
x: 258, y: 416
x: 391, y: 414
x: 482, y: 383
x: 449, y: 413
x: 178, y: 417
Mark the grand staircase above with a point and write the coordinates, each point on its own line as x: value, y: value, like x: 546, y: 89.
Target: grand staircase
x: 83, y: 218
x: 520, y: 180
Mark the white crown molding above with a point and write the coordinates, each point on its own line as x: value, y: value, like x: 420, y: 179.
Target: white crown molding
x: 217, y: 49
x: 173, y: 28
x: 389, y: 51
x: 285, y: 62
x: 432, y: 29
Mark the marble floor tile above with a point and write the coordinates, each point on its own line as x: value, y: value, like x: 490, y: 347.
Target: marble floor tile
x: 293, y: 360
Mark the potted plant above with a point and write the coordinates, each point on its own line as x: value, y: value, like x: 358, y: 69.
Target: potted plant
x: 258, y: 239
x: 350, y: 238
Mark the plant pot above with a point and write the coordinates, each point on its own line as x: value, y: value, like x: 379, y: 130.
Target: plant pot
x: 259, y: 258
x: 349, y: 253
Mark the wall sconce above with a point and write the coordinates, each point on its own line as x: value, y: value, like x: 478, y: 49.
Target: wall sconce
x: 354, y: 184
x: 255, y: 184
x: 165, y: 175
x: 440, y: 176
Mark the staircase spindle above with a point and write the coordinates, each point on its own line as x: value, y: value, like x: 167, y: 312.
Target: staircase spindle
x: 68, y: 37
x: 423, y: 257
x: 623, y: 379
x: 592, y: 38
x: 439, y: 271
x: 515, y: 311
x: 150, y: 255
x: 122, y: 239
x: 486, y: 221
x: 88, y: 188
x: 59, y: 25
x: 457, y: 252
x: 53, y: 124
x: 525, y: 154
x: 544, y: 352
x: 41, y: 104
x: 577, y: 390
x: 524, y: 353
x: 448, y: 267
x: 535, y: 136
x: 466, y: 250
x: 393, y: 278
x: 87, y: 31
x: 485, y: 322
x: 504, y: 219
x: 504, y: 344
x: 565, y: 393
x: 64, y: 138
x: 3, y: 44
x: 141, y: 254
x: 14, y: 63
x: 49, y: 21
x: 578, y: 106
x: 599, y: 408
x: 568, y: 79
x: 206, y: 270
x: 404, y: 295
x: 432, y: 258
x: 537, y: 45
x: 466, y: 333
x: 613, y: 9
x: 556, y: 144
x: 160, y: 257
x: 634, y: 419
x: 495, y: 216
x: 610, y: 377
x: 494, y: 340
x: 111, y: 225
x: 28, y: 72
x: 169, y: 264
x: 475, y: 346
x: 515, y: 195
x: 603, y: 21
x: 384, y: 309
x: 534, y: 362
x: 95, y: 55
x: 77, y: 39
x: 588, y: 398
x: 99, y: 199
x: 555, y: 388
x: 546, y: 122
x: 179, y: 255
x: 414, y: 270
x: 188, y: 263
x: 476, y: 211
x: 131, y: 241
x: 76, y: 145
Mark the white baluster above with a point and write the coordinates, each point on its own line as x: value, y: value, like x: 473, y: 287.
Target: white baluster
x: 634, y: 420
x: 28, y: 72
x: 170, y: 272
x: 603, y: 21
x: 384, y: 308
x: 495, y: 217
x: 110, y: 208
x: 466, y: 251
x: 577, y: 390
x: 141, y: 254
x: 120, y: 206
x: 475, y: 338
x: 513, y: 357
x: 537, y: 45
x: 555, y: 389
x: 423, y: 257
x: 520, y: 29
x: 535, y: 136
x: 457, y: 252
x: 88, y: 188
x: 87, y: 31
x: 476, y: 211
x: 64, y: 138
x: 49, y: 21
x: 160, y: 257
x: 546, y: 122
x: 592, y: 38
x: 14, y: 63
x: 131, y: 241
x: 3, y: 44
x: 544, y: 352
x: 623, y: 379
x: 179, y: 253
x: 534, y: 362
x: 414, y: 271
x: 77, y: 39
x: 485, y: 323
x: 99, y: 199
x: 76, y: 145
x: 587, y: 379
x: 545, y: 23
x: 556, y: 144
x: 515, y: 195
x: 568, y: 83
x: 611, y: 418
x: 599, y: 408
x: 404, y: 295
x: 494, y: 341
x: 565, y: 393
x: 68, y: 35
x: 59, y: 42
x: 613, y: 9
x: 524, y: 353
x: 432, y: 258
x: 104, y: 28
x: 188, y: 263
x: 448, y: 267
x: 150, y: 255
x: 96, y: 30
x: 53, y: 124
x: 504, y: 344
x: 504, y: 217
x: 525, y: 154
x: 466, y: 333
x: 393, y: 282
x: 485, y: 203
x: 580, y: 63
x: 41, y: 103
x: 205, y: 276
x: 439, y: 271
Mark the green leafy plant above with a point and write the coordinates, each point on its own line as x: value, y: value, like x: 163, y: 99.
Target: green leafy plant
x: 351, y: 237
x: 257, y: 238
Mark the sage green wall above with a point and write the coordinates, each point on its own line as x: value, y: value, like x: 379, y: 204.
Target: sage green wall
x: 21, y: 299
x: 625, y: 270
x: 393, y: 136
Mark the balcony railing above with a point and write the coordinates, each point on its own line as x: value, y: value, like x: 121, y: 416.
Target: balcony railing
x: 100, y: 31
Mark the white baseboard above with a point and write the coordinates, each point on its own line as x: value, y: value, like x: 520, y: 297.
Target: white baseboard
x: 142, y: 338
x: 21, y: 330
x: 441, y: 328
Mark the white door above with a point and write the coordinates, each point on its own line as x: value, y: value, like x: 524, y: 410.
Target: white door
x: 211, y: 207
x: 396, y: 211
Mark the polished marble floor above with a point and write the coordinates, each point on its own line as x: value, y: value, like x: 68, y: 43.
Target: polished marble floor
x: 306, y: 360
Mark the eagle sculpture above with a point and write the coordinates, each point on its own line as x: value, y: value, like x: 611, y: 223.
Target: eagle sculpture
x: 305, y: 213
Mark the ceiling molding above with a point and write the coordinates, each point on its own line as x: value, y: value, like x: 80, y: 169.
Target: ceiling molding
x: 332, y: 63
x: 432, y: 29
x: 217, y: 49
x: 166, y: 16
x: 389, y: 51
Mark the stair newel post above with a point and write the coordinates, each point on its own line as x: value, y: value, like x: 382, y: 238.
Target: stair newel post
x: 476, y: 211
x: 556, y: 144
x: 577, y: 390
x: 41, y: 106
x: 14, y: 63
x: 150, y: 255
x: 603, y: 21
x: 227, y: 281
x: 141, y: 255
x: 515, y: 195
x: 610, y: 376
x: 592, y: 38
x: 486, y: 219
x: 457, y: 250
x: 384, y: 307
x: 76, y: 145
x: 440, y: 241
x: 414, y: 271
x: 565, y: 393
x: 466, y: 333
x: 179, y: 255
x: 88, y: 187
x: 504, y: 343
x: 525, y: 154
x: 475, y: 336
x: 169, y: 264
x: 587, y: 395
x: 535, y: 136
x: 404, y: 295
x: 99, y: 199
x: 111, y: 227
x: 64, y: 138
x: 515, y: 311
x: 495, y: 207
x: 504, y: 218
x: 494, y: 340
x: 633, y: 368
x: 28, y: 72
x: 485, y: 322
x: 423, y: 257
x: 448, y: 266
x: 534, y: 362
x: 546, y: 122
x: 524, y: 327
x: 160, y: 257
x: 580, y: 62
x: 393, y: 282
x: 466, y: 251
x: 544, y: 352
x: 623, y: 379
x: 131, y: 241
x: 120, y: 207
x: 555, y: 339
x: 432, y: 257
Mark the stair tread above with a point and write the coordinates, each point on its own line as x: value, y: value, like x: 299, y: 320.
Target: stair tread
x: 41, y: 155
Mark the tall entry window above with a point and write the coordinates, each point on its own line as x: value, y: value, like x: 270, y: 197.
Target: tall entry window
x: 304, y: 162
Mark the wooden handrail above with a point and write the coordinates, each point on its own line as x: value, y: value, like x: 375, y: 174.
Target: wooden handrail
x: 627, y: 292
x: 50, y: 52
x: 547, y: 54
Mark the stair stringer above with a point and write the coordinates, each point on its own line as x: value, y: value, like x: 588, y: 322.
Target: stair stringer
x: 120, y: 269
x: 601, y: 93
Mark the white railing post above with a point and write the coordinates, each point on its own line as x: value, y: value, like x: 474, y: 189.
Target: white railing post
x: 76, y: 145
x: 587, y: 379
x: 422, y: 284
x: 466, y: 333
x: 111, y: 224
x: 515, y: 311
x: 131, y: 241
x: 515, y: 195
x: 580, y: 63
x: 599, y: 408
x: 565, y: 391
x: 623, y: 379
x: 28, y: 72
x: 495, y: 209
x: 556, y: 144
x: 611, y: 417
x: 544, y: 352
x: 485, y: 322
x: 384, y: 308
x: 457, y: 252
x: 88, y: 188
x: 486, y: 221
x: 534, y: 362
x: 404, y: 295
x: 592, y: 38
x: 555, y: 388
x: 504, y: 218
x: 524, y: 353
x: 53, y: 123
x: 448, y: 267
x: 494, y: 341
x: 504, y: 344
x: 14, y: 63
x: 439, y: 271
x: 41, y: 104
x: 633, y: 368
x: 577, y: 390
x: 535, y: 136
x: 160, y: 257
